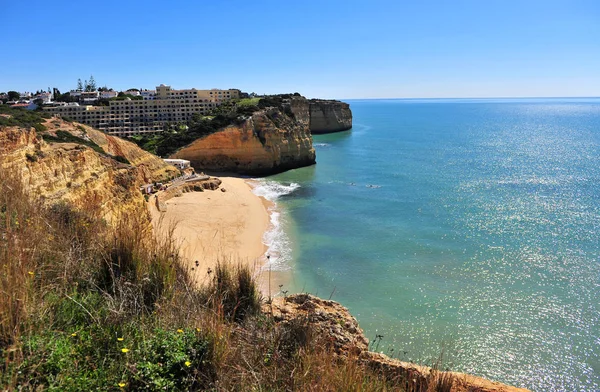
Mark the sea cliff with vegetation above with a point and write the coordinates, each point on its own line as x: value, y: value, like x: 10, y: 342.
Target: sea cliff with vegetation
x: 92, y: 299
x: 256, y: 136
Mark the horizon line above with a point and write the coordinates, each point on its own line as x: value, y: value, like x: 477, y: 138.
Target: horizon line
x: 529, y: 97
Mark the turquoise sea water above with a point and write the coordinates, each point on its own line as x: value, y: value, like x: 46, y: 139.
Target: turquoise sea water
x: 470, y: 227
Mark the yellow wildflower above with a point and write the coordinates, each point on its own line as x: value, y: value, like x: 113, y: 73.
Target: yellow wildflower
x: 125, y: 350
x: 187, y: 363
x: 180, y: 331
x: 31, y: 273
x: 74, y: 334
x: 122, y: 385
x: 197, y: 329
x: 120, y: 339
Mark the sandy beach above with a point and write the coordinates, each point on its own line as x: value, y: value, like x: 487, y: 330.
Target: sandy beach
x: 213, y: 226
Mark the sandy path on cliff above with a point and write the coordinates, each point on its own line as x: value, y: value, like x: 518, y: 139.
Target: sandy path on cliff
x: 215, y: 225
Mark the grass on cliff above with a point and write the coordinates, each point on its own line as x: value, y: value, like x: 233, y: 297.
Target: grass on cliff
x: 85, y: 305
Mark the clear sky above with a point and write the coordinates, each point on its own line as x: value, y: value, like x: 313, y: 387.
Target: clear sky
x: 325, y: 48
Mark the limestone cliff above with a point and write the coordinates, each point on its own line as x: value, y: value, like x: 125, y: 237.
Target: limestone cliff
x: 335, y: 324
x: 68, y: 172
x: 269, y: 141
x: 76, y: 173
x: 150, y: 167
x: 329, y: 116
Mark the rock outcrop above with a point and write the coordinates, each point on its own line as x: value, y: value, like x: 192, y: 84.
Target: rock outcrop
x: 334, y: 323
x: 269, y: 141
x: 327, y: 116
x: 77, y: 173
x: 150, y: 167
x: 198, y: 185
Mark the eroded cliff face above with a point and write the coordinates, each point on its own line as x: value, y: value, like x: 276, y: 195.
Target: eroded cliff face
x: 329, y: 116
x: 270, y: 141
x: 150, y: 167
x: 75, y: 173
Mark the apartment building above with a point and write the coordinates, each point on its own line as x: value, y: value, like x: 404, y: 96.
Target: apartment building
x: 133, y: 117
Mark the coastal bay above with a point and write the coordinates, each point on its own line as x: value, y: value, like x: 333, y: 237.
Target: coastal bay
x: 214, y: 226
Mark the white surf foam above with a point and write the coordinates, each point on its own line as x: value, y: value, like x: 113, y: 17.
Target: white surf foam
x: 279, y: 252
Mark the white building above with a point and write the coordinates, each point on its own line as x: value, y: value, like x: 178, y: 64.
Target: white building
x: 133, y: 92
x: 89, y: 96
x: 178, y: 163
x: 45, y: 97
x: 149, y: 95
x: 108, y: 94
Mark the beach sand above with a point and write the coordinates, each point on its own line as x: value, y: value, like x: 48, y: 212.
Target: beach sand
x: 213, y: 226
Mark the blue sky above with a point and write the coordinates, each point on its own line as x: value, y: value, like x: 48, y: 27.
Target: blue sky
x: 326, y: 48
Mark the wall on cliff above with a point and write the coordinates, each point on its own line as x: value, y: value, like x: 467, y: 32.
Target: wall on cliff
x: 329, y: 116
x: 269, y: 141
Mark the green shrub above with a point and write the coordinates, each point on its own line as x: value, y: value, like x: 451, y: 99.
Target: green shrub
x: 22, y: 118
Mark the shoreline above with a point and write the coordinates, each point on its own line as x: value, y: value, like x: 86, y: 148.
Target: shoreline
x: 213, y: 226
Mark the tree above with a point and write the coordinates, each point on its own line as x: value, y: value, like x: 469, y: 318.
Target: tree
x: 92, y: 84
x: 13, y: 96
x: 66, y: 97
x: 79, y: 85
x: 55, y: 93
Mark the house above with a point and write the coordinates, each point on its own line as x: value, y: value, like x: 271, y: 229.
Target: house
x: 25, y: 105
x: 45, y: 97
x: 178, y: 163
x: 133, y: 92
x: 108, y: 94
x: 89, y: 96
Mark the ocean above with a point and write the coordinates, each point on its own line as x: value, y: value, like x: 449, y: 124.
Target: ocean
x: 466, y: 231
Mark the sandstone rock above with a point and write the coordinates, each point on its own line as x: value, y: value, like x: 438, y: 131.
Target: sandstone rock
x: 329, y: 319
x: 69, y: 172
x: 150, y: 167
x: 327, y: 116
x: 268, y: 142
x: 212, y: 184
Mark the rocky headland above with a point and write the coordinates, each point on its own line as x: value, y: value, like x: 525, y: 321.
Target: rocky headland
x: 328, y: 116
x: 255, y: 136
x: 271, y: 140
